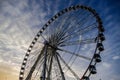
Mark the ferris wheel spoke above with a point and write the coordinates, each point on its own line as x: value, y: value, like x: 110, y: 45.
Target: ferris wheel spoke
x: 73, y: 21
x: 44, y: 38
x: 78, y: 42
x: 65, y: 30
x: 40, y: 42
x: 76, y: 54
x: 75, y: 75
x: 80, y: 32
x: 59, y: 25
x: 79, y: 23
x: 77, y: 33
x: 63, y: 21
x: 71, y: 27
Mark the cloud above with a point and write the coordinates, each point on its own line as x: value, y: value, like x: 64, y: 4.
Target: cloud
x: 16, y: 30
x: 21, y: 19
x: 116, y: 57
x: 107, y: 65
x: 19, y: 23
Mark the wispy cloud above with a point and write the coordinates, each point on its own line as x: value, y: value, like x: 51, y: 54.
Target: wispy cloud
x: 116, y: 57
x: 17, y: 29
x: 21, y: 19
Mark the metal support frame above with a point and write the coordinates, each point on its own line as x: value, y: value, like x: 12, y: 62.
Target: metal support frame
x: 50, y: 68
x: 59, y: 65
x: 34, y: 66
x: 43, y: 77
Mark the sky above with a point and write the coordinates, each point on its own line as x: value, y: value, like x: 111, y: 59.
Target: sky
x: 20, y: 20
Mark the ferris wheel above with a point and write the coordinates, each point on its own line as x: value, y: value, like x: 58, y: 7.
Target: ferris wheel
x: 67, y: 47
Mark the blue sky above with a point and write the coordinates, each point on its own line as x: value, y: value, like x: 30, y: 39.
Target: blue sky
x: 21, y: 19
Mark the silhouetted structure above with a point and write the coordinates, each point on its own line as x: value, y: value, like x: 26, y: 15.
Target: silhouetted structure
x: 60, y: 35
